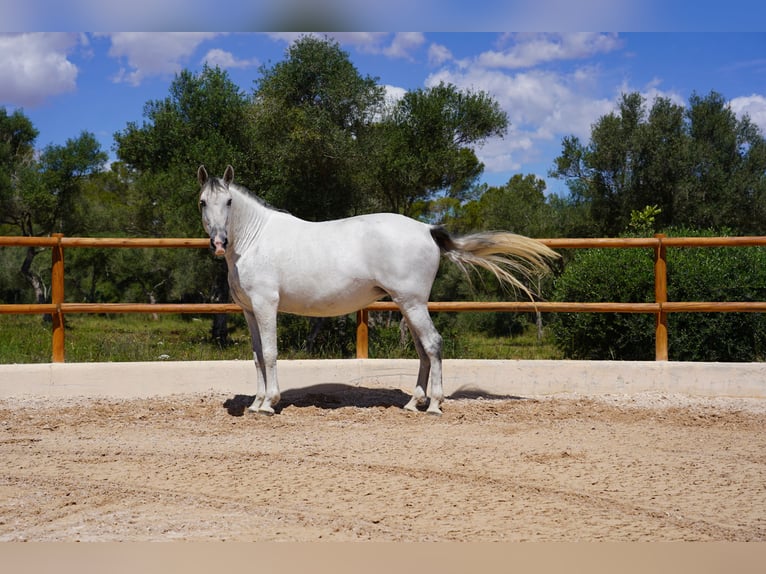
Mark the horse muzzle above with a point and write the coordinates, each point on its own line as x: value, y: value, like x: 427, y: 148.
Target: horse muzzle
x: 218, y: 243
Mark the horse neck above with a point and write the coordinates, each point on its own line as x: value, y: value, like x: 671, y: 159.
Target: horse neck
x: 247, y: 219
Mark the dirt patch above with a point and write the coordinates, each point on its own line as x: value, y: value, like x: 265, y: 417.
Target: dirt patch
x: 348, y: 464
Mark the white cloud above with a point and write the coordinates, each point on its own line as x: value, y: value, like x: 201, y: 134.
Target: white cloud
x: 36, y: 66
x: 542, y: 106
x: 404, y: 43
x: 153, y: 53
x: 544, y: 103
x: 500, y: 155
x: 227, y: 60
x: 438, y: 54
x: 754, y: 106
x: 528, y: 50
x: 365, y: 41
x: 391, y: 97
x: 393, y: 94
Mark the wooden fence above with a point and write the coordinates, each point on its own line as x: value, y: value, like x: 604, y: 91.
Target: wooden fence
x: 661, y: 307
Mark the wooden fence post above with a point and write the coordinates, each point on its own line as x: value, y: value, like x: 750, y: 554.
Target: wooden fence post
x: 362, y: 334
x: 57, y: 298
x: 661, y: 296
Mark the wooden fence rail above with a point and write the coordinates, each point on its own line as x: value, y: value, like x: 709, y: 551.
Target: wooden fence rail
x: 661, y: 307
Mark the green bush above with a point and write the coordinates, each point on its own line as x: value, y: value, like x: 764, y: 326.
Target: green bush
x: 717, y: 274
x: 604, y: 275
x: 694, y: 274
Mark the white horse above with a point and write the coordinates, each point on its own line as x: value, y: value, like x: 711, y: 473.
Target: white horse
x: 278, y: 262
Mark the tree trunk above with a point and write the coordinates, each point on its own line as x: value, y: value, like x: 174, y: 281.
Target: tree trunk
x: 539, y: 322
x: 316, y: 324
x: 34, y: 280
x: 153, y: 301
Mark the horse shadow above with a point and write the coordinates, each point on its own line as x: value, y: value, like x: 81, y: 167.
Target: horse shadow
x: 336, y: 396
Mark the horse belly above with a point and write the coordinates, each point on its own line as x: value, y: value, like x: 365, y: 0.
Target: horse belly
x: 328, y: 303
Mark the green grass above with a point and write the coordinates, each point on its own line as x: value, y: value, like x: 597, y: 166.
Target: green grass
x: 96, y: 338
x: 526, y: 346
x: 24, y: 339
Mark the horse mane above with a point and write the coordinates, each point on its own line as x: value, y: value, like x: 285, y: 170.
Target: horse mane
x: 259, y: 200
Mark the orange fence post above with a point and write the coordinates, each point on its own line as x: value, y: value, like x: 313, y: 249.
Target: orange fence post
x: 362, y: 334
x: 661, y: 296
x: 57, y: 298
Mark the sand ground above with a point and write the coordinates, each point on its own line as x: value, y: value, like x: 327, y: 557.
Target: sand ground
x: 348, y: 464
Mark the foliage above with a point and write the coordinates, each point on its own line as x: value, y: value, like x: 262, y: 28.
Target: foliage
x: 308, y: 114
x: 716, y: 274
x: 520, y: 206
x: 701, y: 166
x: 204, y: 120
x: 423, y: 145
x: 40, y: 195
x: 694, y: 274
x: 17, y: 137
x: 604, y: 275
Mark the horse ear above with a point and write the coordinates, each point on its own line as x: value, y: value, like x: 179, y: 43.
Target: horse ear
x: 228, y: 175
x: 202, y: 175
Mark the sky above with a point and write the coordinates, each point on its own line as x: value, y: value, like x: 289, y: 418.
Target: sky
x: 550, y: 84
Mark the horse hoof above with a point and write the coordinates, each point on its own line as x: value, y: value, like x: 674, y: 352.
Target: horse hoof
x: 261, y: 411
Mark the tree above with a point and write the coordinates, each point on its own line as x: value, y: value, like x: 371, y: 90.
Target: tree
x: 519, y: 206
x: 309, y: 113
x: 633, y: 159
x: 701, y: 166
x: 727, y: 187
x: 424, y: 145
x: 64, y: 171
x: 17, y: 139
x: 43, y: 193
x: 204, y: 120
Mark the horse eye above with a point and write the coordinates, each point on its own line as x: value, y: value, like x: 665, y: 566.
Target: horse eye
x: 202, y: 203
x: 228, y: 203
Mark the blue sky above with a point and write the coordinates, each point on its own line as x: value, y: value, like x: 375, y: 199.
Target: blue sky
x: 550, y: 84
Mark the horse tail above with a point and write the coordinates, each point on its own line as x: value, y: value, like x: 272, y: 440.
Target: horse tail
x: 508, y: 256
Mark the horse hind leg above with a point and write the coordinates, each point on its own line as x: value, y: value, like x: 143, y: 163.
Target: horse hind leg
x: 424, y: 370
x: 428, y: 343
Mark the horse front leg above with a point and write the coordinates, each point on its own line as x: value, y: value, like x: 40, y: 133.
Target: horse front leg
x: 266, y: 361
x: 257, y: 346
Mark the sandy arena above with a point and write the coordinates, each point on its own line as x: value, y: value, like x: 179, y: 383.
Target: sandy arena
x: 347, y: 463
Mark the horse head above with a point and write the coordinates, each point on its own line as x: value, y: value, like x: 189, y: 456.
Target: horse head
x: 214, y: 206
